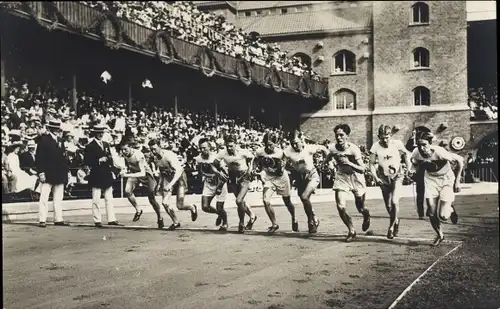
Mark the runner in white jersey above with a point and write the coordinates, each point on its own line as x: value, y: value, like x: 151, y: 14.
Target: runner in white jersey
x: 300, y: 159
x: 239, y: 173
x: 270, y: 160
x: 173, y: 178
x: 138, y: 172
x: 349, y: 178
x: 214, y: 184
x: 387, y: 171
x: 440, y: 180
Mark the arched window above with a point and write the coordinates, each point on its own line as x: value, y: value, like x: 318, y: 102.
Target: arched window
x: 344, y: 61
x: 420, y: 13
x: 420, y: 58
x: 344, y: 99
x: 303, y: 58
x: 421, y: 96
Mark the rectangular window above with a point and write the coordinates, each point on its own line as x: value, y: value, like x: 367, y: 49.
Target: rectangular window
x: 248, y: 14
x: 284, y: 11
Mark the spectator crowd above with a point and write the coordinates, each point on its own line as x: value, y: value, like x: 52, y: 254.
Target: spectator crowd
x: 483, y: 103
x: 184, y: 21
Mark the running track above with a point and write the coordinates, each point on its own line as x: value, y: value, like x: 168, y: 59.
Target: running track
x: 195, y: 267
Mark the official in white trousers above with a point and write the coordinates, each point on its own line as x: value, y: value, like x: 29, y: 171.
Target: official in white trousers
x: 108, y: 202
x: 57, y: 197
x: 98, y: 157
x: 52, y: 167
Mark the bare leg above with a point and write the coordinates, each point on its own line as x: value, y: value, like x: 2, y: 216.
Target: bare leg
x: 267, y: 194
x: 222, y: 212
x: 205, y: 205
x: 341, y: 198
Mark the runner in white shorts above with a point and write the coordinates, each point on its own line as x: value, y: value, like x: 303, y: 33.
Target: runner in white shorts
x: 440, y: 180
x: 138, y: 172
x: 270, y: 159
x: 349, y: 178
x: 173, y: 178
x: 300, y: 159
x: 237, y: 161
x: 387, y: 170
x: 214, y: 184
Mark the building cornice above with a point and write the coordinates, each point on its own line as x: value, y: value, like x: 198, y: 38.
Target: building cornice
x: 388, y: 111
x: 315, y: 33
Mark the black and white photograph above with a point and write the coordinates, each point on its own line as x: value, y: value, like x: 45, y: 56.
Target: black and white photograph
x: 249, y: 154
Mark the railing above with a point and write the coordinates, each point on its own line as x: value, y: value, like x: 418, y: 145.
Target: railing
x: 82, y: 191
x: 83, y: 16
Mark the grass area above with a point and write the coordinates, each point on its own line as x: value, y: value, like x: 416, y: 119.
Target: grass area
x: 467, y: 278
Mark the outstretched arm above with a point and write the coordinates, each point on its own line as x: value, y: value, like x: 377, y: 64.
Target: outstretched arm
x: 373, y: 167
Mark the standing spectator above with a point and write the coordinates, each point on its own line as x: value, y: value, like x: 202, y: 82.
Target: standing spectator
x: 469, y: 176
x: 52, y: 168
x: 98, y: 158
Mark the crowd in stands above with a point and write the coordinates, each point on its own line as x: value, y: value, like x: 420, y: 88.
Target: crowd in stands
x: 187, y: 23
x: 483, y: 103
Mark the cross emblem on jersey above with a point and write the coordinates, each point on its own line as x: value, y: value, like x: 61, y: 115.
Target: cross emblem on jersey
x: 387, y: 157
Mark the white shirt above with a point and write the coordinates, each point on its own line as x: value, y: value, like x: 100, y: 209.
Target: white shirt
x: 389, y: 159
x: 438, y: 164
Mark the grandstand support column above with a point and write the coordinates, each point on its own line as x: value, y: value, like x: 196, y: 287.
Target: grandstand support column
x: 176, y: 110
x: 216, y: 112
x: 74, y: 98
x: 3, y: 90
x: 249, y: 116
x: 129, y: 98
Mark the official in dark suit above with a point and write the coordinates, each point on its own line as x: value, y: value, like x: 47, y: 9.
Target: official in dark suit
x: 97, y: 156
x: 52, y: 167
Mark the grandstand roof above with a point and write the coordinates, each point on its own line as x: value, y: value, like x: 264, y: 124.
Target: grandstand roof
x: 202, y: 3
x: 252, y: 5
x: 303, y: 22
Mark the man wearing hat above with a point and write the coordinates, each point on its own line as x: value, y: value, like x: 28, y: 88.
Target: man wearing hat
x: 52, y: 167
x: 97, y: 156
x: 27, y: 158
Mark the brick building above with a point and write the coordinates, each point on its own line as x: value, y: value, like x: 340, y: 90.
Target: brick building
x: 402, y: 63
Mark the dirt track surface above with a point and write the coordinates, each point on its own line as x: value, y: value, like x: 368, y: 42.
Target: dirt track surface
x: 195, y: 267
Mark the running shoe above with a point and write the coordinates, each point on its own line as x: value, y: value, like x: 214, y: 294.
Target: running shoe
x: 439, y: 239
x: 174, y: 226
x: 295, y: 226
x: 137, y: 216
x: 273, y: 228
x: 194, y: 214
x: 313, y: 229
x: 218, y: 221
x: 390, y: 234
x: 251, y: 222
x: 350, y: 236
x: 161, y: 224
x: 396, y: 228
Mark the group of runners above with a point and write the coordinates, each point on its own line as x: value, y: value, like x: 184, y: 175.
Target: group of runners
x: 232, y: 169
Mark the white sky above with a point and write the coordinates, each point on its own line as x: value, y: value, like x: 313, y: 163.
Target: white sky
x: 481, y: 10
